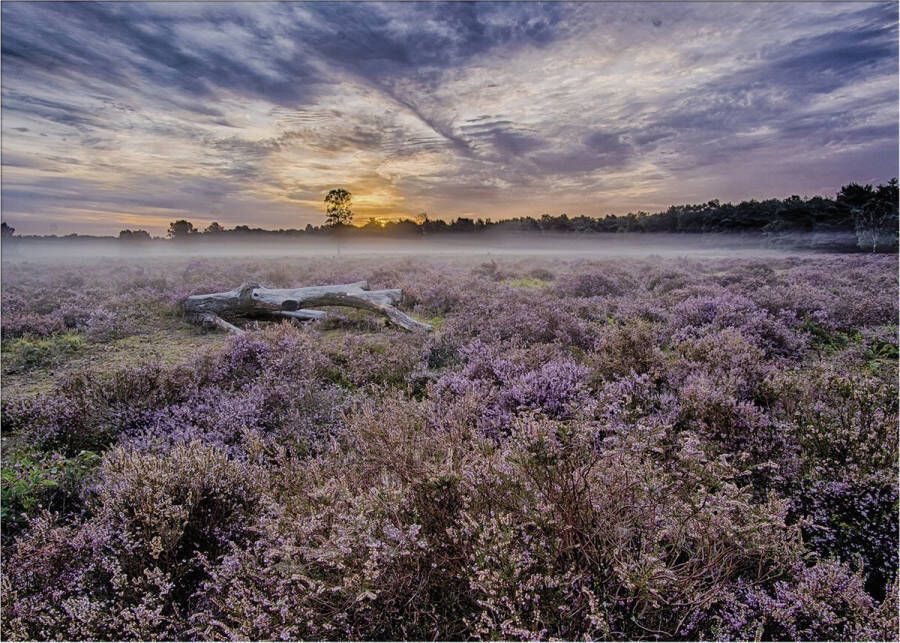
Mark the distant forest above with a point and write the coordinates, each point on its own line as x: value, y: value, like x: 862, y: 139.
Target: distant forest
x: 870, y: 213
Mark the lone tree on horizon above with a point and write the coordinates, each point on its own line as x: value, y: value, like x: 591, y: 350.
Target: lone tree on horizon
x: 181, y: 229
x: 337, y: 207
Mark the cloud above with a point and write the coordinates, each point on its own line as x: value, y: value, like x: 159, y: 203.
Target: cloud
x: 249, y: 112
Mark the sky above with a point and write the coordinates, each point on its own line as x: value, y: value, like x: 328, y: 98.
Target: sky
x: 130, y: 115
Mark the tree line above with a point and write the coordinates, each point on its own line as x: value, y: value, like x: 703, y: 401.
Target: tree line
x: 869, y: 212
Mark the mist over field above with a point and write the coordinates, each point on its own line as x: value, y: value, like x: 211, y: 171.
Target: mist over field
x: 488, y: 245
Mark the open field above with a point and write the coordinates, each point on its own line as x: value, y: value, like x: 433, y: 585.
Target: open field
x: 608, y: 448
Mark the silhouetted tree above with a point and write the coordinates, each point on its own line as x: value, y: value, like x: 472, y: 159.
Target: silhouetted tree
x: 214, y: 228
x: 134, y: 235
x: 337, y: 207
x: 855, y: 196
x: 6, y: 231
x: 876, y: 220
x: 181, y: 229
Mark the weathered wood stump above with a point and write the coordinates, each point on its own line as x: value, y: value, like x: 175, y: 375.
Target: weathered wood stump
x: 251, y: 301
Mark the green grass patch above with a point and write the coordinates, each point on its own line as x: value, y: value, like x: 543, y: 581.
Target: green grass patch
x: 882, y: 352
x: 436, y: 321
x: 527, y: 282
x: 32, y: 480
x: 830, y: 342
x: 24, y: 353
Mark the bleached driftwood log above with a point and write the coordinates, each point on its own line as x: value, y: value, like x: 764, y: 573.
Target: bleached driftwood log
x: 253, y: 301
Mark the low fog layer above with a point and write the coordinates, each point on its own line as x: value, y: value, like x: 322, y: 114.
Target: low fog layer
x: 486, y: 245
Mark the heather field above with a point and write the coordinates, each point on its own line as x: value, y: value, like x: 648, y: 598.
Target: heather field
x: 622, y: 448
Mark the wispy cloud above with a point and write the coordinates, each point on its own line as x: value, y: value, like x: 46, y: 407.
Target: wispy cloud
x: 247, y: 113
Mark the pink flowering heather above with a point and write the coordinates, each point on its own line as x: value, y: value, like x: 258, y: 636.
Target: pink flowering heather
x: 667, y: 449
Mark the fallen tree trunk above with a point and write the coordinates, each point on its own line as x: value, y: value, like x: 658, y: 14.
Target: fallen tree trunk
x: 253, y: 301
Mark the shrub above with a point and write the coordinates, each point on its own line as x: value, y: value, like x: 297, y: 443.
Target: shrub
x: 32, y: 325
x: 594, y: 284
x: 822, y: 603
x: 776, y: 334
x: 624, y: 348
x: 88, y: 411
x: 386, y: 359
x: 579, y: 543
x: 855, y: 522
x: 639, y: 449
x: 129, y: 571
